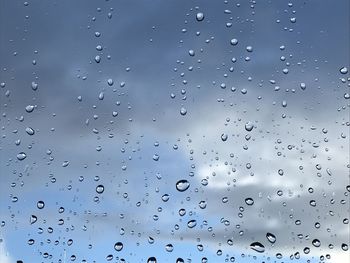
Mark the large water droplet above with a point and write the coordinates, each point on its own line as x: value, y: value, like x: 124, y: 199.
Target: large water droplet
x: 200, y: 16
x: 191, y: 223
x: 316, y: 242
x: 40, y: 204
x: 343, y: 70
x: 257, y: 246
x: 182, y: 185
x: 118, y: 246
x: 21, y: 156
x: 249, y: 201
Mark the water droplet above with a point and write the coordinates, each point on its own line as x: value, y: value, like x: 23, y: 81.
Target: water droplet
x: 30, y: 131
x: 249, y: 126
x: 200, y: 16
x: 151, y: 260
x: 183, y: 111
x: 169, y: 248
x: 155, y: 157
x: 165, y: 198
x: 110, y: 82
x: 316, y: 242
x: 40, y: 204
x: 271, y: 237
x: 249, y: 201
x: 343, y: 70
x: 191, y: 223
x: 65, y: 163
x: 303, y: 86
x: 21, y: 156
x: 180, y: 260
x: 182, y: 185
x: 191, y: 52
x: 234, y: 41
x: 344, y: 247
x: 34, y: 85
x: 257, y: 246
x: 118, y: 246
x: 224, y: 137
x: 97, y: 59
x: 99, y: 189
x: 33, y: 219
x: 29, y: 108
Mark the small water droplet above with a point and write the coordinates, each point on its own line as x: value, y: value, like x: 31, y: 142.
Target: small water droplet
x: 183, y: 111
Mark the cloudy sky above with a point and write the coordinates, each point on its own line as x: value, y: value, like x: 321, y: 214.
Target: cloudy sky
x: 106, y: 105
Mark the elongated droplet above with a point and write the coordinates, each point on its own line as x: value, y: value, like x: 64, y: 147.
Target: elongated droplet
x: 258, y: 247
